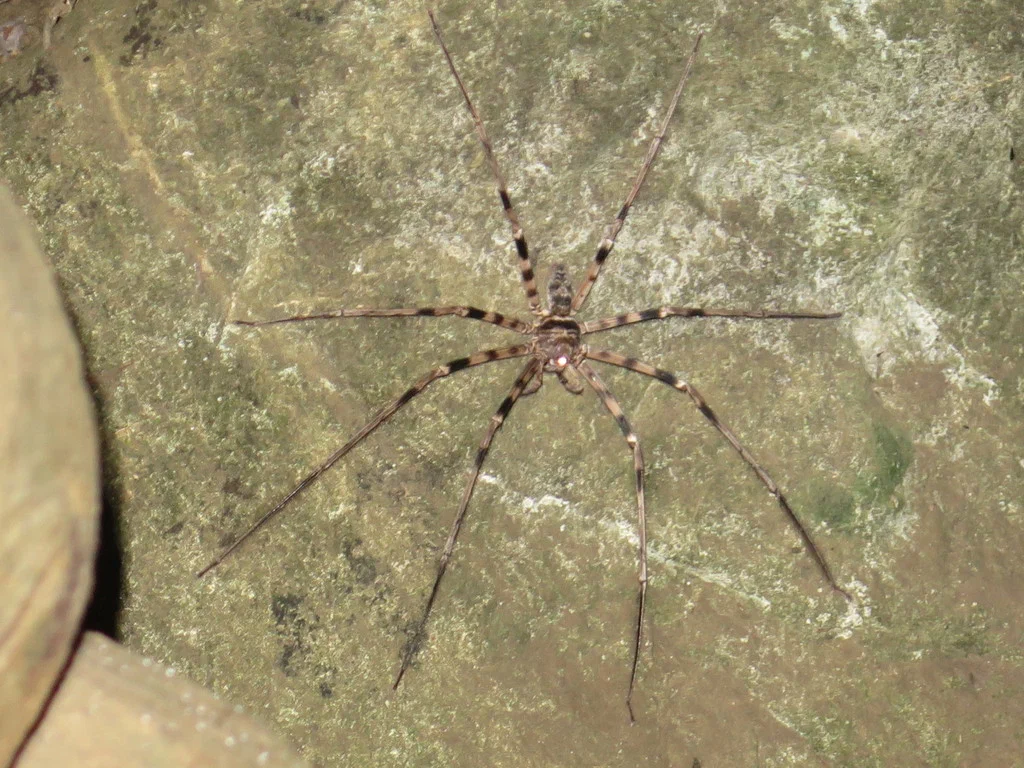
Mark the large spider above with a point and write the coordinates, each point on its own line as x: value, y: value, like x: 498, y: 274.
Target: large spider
x: 553, y: 343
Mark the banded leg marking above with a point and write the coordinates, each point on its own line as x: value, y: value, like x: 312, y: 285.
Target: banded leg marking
x: 723, y: 429
x: 525, y: 376
x: 379, y: 418
x: 484, y: 315
x: 660, y: 313
x: 608, y: 241
x: 612, y: 404
x: 518, y: 236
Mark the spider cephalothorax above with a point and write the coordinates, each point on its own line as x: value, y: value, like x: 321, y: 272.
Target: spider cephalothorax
x: 552, y: 343
x: 556, y: 339
x: 557, y: 347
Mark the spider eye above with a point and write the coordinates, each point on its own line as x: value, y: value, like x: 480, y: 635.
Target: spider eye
x: 562, y: 361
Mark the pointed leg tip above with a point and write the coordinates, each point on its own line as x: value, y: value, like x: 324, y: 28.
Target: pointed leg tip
x: 211, y: 565
x: 629, y: 710
x: 843, y: 592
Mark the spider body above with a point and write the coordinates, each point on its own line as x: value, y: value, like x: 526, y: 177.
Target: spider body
x: 553, y: 343
x: 557, y: 338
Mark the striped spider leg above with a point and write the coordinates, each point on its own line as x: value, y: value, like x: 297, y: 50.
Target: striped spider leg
x: 472, y: 313
x: 553, y: 344
x: 385, y: 413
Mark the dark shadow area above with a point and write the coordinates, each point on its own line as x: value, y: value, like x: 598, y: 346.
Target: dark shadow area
x: 103, y: 612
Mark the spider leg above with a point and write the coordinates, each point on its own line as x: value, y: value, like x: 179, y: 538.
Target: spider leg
x: 534, y: 384
x: 723, y: 429
x: 379, y: 418
x: 660, y: 313
x: 608, y: 241
x: 486, y: 316
x: 638, y: 465
x: 525, y: 265
x: 525, y: 376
